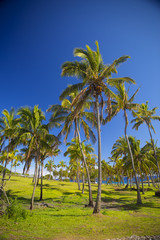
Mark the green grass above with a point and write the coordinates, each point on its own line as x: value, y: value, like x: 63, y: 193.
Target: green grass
x: 67, y: 218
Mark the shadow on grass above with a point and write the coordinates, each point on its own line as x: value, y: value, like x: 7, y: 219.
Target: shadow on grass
x: 124, y: 204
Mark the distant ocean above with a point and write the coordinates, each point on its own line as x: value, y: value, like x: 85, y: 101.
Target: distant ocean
x: 125, y: 180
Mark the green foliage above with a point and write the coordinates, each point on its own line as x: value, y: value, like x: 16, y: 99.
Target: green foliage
x: 15, y: 211
x: 67, y: 218
x: 7, y: 171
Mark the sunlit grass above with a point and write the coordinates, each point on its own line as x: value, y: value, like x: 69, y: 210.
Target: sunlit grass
x: 68, y: 218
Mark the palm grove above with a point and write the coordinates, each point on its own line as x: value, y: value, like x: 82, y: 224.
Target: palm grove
x: 85, y: 106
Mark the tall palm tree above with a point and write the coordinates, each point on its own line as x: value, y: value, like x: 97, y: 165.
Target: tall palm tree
x: 124, y: 103
x: 65, y: 113
x: 32, y: 131
x: 144, y: 115
x: 96, y: 77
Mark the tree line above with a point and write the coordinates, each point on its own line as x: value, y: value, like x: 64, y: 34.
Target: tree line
x: 85, y: 106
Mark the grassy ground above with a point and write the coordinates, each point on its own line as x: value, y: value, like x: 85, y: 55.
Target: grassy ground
x: 68, y: 218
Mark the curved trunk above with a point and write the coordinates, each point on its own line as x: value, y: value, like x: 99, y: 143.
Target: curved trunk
x: 35, y: 181
x: 2, y: 189
x: 86, y: 167
x: 139, y: 201
x: 155, y: 155
x: 97, y: 207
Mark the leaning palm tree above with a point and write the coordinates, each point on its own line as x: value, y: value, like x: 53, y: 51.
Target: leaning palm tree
x: 65, y: 114
x: 124, y: 103
x: 144, y: 115
x: 96, y: 77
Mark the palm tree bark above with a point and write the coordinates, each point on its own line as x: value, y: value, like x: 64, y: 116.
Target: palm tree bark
x: 139, y: 201
x: 86, y: 167
x: 97, y: 207
x: 35, y: 181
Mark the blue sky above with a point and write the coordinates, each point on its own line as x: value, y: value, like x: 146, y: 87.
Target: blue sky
x: 37, y: 36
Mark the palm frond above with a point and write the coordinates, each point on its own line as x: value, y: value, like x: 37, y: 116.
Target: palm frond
x: 71, y: 89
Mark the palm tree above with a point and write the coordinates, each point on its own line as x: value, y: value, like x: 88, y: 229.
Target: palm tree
x: 123, y: 102
x: 144, y: 115
x: 61, y: 167
x: 96, y: 77
x: 8, y: 129
x: 17, y: 161
x: 49, y: 147
x: 65, y: 113
x: 32, y: 131
x: 75, y: 154
x: 49, y: 166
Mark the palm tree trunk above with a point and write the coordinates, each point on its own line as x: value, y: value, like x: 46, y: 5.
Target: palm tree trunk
x: 2, y: 169
x: 127, y: 180
x: 122, y: 177
x: 79, y: 187
x: 11, y: 170
x: 86, y: 167
x: 41, y: 194
x: 153, y: 182
x: 35, y: 181
x: 4, y: 192
x: 155, y: 155
x: 131, y: 180
x: 148, y: 180
x: 142, y: 179
x: 139, y: 201
x: 38, y: 174
x: 97, y: 207
x: 83, y: 177
x: 4, y: 172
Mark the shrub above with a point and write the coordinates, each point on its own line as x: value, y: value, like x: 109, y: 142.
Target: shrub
x: 16, y: 211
